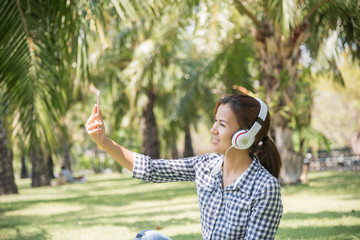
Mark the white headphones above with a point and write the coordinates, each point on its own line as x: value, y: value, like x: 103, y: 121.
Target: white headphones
x: 243, y: 139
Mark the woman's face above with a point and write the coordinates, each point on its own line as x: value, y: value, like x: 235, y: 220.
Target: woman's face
x: 224, y: 127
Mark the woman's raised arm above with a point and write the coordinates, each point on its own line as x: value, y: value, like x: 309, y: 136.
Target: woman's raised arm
x: 96, y: 130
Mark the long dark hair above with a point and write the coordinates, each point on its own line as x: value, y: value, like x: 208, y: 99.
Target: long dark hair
x: 246, y: 110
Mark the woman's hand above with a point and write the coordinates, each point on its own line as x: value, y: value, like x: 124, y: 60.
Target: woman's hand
x: 96, y: 130
x: 95, y: 127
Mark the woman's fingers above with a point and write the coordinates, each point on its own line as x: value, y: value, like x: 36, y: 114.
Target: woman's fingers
x: 95, y: 130
x: 92, y: 118
x: 94, y: 125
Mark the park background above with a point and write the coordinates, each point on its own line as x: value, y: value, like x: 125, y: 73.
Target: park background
x: 160, y: 67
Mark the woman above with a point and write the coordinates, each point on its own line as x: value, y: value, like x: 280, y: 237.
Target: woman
x: 238, y: 189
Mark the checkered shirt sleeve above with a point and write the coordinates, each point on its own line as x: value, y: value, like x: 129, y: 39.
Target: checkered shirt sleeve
x: 161, y: 170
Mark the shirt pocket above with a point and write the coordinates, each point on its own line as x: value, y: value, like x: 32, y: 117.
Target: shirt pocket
x: 238, y: 212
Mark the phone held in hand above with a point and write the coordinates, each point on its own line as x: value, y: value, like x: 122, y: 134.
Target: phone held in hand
x: 97, y: 104
x: 97, y: 101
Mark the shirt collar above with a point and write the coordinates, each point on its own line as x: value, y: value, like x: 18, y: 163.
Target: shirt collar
x: 217, y: 166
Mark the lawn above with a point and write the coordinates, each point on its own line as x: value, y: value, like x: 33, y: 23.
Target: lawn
x: 117, y: 207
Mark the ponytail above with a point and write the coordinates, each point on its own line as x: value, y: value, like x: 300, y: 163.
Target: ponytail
x: 269, y: 156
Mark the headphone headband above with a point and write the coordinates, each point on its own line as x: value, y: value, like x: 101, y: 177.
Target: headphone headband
x: 263, y: 110
x: 260, y: 119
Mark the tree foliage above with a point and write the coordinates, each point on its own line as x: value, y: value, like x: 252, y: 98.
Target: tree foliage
x: 182, y: 55
x: 43, y: 66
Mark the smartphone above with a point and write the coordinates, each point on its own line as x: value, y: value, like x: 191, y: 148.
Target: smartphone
x: 97, y: 101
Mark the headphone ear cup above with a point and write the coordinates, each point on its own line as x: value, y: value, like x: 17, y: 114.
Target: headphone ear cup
x: 236, y: 138
x: 242, y: 140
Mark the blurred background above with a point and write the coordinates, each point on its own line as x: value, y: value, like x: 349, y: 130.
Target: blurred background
x: 160, y: 67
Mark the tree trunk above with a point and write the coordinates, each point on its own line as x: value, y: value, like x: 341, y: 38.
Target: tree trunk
x: 355, y: 143
x: 174, y: 150
x: 279, y: 58
x: 66, y: 154
x: 7, y: 180
x: 24, y: 173
x: 188, y: 149
x: 292, y: 162
x: 150, y: 144
x: 40, y: 169
x: 50, y: 163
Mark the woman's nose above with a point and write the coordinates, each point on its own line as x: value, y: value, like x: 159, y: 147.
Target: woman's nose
x: 213, y: 129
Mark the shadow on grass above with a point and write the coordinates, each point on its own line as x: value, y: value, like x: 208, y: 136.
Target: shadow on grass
x: 87, y: 216
x: 334, y: 182
x: 319, y: 215
x: 310, y: 232
x: 87, y: 219
x: 319, y: 232
x: 43, y: 234
x: 185, y: 236
x: 39, y: 234
x: 96, y: 193
x: 93, y: 193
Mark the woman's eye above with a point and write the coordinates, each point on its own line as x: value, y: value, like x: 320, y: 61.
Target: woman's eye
x: 221, y: 124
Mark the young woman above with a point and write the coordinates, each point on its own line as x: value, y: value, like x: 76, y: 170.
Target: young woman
x: 237, y: 185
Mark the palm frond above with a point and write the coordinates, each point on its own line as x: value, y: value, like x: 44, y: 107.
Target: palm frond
x: 335, y: 27
x: 340, y: 16
x: 327, y: 60
x: 282, y: 12
x: 131, y: 12
x: 42, y: 41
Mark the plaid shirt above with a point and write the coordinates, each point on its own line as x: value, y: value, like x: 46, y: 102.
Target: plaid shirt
x: 249, y: 208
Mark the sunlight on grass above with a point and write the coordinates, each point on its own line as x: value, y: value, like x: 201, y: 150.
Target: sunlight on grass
x: 43, y: 209
x: 312, y: 204
x: 328, y: 207
x: 323, y: 222
x: 117, y: 207
x: 106, y: 207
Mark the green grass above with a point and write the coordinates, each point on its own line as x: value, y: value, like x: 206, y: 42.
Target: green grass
x: 328, y: 207
x: 117, y: 207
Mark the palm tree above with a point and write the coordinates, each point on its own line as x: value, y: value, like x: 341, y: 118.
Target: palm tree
x: 43, y: 48
x: 155, y: 30
x: 215, y: 62
x: 7, y: 182
x: 280, y: 30
x: 191, y: 99
x: 171, y: 70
